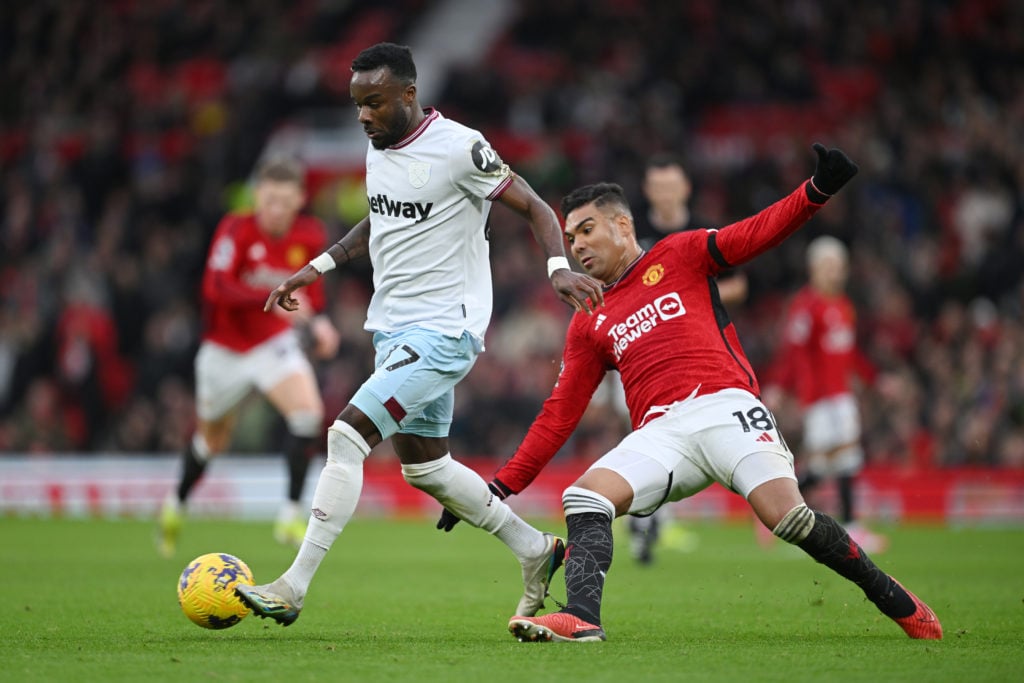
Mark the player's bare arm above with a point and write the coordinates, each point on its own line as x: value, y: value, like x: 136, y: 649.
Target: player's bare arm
x: 354, y: 244
x: 580, y: 291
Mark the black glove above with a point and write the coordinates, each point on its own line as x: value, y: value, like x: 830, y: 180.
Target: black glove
x: 448, y: 520
x: 834, y: 169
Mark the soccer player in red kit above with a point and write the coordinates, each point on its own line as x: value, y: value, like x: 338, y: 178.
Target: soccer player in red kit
x: 692, y: 397
x: 243, y: 348
x: 817, y: 363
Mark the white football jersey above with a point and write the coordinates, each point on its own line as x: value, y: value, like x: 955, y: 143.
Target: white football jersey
x: 429, y: 196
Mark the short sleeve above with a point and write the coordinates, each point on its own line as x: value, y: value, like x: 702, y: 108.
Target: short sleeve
x: 476, y: 167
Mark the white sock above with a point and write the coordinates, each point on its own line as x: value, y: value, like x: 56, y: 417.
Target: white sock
x: 525, y: 541
x: 334, y: 502
x: 304, y: 566
x: 465, y: 494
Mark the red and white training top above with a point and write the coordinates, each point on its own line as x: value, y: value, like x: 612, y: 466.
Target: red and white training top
x: 243, y: 266
x: 662, y: 327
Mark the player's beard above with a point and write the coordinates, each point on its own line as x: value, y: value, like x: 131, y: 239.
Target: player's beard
x: 397, y: 128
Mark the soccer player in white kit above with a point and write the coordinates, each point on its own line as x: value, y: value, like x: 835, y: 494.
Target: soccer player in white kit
x: 430, y: 182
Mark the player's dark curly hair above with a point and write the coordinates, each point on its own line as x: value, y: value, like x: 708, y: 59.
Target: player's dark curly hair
x: 601, y: 194
x: 397, y: 58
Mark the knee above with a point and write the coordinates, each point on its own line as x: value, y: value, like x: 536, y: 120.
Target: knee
x: 795, y: 525
x: 577, y: 500
x: 774, y: 499
x: 345, y: 445
x: 210, y: 444
x: 304, y: 423
x: 428, y: 476
x: 610, y: 486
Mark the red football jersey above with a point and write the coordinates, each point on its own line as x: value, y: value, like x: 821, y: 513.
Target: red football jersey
x: 243, y: 266
x: 662, y: 327
x: 819, y: 355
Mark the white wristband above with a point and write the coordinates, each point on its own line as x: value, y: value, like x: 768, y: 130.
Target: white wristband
x: 323, y: 263
x: 557, y: 263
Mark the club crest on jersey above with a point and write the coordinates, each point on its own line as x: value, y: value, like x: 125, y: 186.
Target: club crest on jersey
x: 419, y: 173
x: 654, y: 274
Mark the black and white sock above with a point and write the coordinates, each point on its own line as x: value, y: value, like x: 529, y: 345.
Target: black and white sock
x: 193, y: 465
x: 829, y: 544
x: 587, y: 562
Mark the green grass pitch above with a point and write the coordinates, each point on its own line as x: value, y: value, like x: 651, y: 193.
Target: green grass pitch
x: 397, y: 600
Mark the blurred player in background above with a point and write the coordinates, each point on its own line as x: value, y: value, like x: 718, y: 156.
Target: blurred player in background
x: 667, y: 189
x: 693, y: 401
x: 817, y: 363
x: 430, y: 183
x: 243, y: 348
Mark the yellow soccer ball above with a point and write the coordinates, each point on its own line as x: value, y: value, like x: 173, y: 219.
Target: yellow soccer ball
x: 206, y: 590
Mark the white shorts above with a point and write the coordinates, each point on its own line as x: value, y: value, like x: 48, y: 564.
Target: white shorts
x: 728, y: 437
x: 831, y: 438
x: 224, y: 377
x: 830, y: 423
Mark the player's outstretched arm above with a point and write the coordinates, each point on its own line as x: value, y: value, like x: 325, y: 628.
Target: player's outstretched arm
x: 744, y: 240
x: 580, y: 291
x: 354, y: 244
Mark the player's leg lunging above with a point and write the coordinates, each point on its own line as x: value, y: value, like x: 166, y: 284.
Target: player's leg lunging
x: 826, y: 541
x: 463, y: 492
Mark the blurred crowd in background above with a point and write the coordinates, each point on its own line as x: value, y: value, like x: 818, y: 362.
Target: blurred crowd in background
x: 127, y: 129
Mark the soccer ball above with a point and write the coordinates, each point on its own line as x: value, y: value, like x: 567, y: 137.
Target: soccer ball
x: 206, y: 590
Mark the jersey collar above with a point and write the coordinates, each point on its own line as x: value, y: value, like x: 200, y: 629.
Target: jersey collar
x: 627, y: 271
x: 431, y: 115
